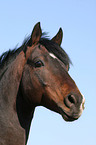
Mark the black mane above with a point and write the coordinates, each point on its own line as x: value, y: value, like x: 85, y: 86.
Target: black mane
x: 51, y: 46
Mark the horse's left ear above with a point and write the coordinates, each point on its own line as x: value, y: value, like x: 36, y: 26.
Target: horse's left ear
x: 36, y: 33
x: 58, y: 37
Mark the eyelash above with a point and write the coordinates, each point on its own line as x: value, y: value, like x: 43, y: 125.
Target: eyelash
x: 35, y: 64
x: 38, y: 63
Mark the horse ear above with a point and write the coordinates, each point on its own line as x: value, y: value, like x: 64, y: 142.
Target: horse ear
x: 36, y: 33
x: 58, y: 37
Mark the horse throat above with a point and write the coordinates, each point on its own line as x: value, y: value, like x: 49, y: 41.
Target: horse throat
x: 25, y: 112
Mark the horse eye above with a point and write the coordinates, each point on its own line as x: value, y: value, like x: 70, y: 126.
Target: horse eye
x: 39, y: 63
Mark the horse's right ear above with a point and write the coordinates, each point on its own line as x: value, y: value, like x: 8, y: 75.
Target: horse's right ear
x: 36, y: 33
x: 58, y: 37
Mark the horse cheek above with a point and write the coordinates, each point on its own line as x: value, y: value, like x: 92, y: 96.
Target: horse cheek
x: 31, y: 88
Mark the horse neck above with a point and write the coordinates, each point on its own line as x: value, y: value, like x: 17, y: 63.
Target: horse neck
x: 14, y: 129
x: 9, y: 124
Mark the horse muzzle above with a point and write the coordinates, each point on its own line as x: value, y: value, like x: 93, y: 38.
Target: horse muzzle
x: 73, y: 107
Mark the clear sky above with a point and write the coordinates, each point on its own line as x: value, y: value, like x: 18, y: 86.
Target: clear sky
x: 78, y: 21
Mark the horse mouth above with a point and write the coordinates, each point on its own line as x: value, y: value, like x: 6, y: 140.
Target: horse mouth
x: 68, y: 117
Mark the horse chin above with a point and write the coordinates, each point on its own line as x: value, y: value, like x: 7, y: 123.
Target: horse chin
x: 69, y: 117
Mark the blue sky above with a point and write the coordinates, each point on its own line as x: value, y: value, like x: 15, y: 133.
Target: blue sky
x: 78, y: 21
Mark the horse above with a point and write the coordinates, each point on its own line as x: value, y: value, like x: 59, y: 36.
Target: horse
x: 35, y: 74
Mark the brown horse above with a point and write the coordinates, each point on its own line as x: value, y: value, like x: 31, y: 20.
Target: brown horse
x: 33, y: 75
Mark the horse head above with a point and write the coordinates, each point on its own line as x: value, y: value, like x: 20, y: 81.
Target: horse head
x: 45, y: 79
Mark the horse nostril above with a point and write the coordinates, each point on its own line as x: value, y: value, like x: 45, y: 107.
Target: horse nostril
x: 70, y: 100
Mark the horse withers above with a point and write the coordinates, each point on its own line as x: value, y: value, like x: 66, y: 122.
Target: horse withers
x: 35, y: 74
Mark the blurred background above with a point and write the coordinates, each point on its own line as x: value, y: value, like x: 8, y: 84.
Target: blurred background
x: 78, y: 21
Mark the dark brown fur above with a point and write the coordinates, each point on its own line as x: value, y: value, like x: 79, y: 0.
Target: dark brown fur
x: 30, y: 76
